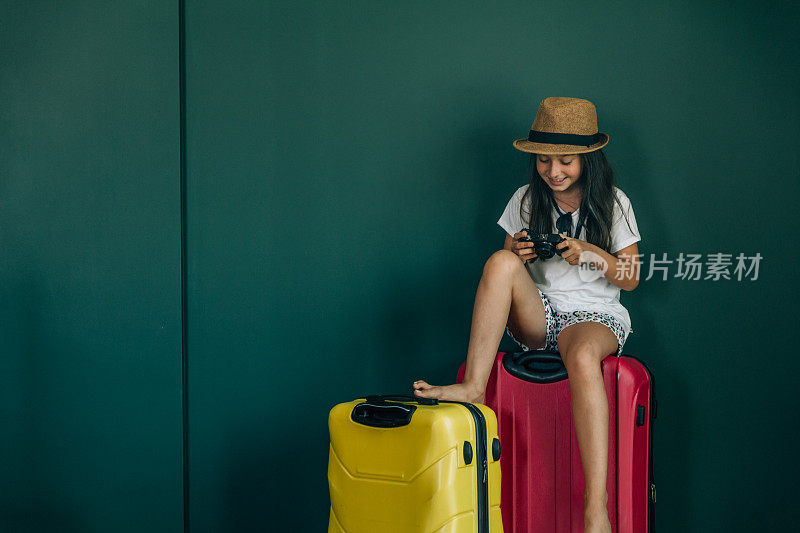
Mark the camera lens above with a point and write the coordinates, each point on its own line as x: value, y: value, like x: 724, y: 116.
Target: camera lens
x: 545, y: 252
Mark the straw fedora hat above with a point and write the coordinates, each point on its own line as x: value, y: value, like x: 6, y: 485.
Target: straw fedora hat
x: 564, y: 126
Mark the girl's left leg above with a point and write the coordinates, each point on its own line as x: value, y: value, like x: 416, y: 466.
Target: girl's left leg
x: 582, y: 347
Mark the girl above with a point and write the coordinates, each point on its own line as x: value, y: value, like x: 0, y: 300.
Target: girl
x: 559, y: 303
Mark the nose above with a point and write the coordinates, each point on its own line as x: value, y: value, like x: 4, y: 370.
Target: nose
x: 553, y: 170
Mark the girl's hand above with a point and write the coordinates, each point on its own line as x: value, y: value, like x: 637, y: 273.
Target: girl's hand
x: 572, y: 249
x: 524, y: 250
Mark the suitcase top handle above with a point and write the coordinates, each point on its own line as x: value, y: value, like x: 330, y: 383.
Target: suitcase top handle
x: 536, y: 366
x: 377, y: 411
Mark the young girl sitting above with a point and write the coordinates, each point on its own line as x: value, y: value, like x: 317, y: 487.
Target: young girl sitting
x: 559, y: 303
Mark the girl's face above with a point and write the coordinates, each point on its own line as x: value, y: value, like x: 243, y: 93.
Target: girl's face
x: 560, y: 172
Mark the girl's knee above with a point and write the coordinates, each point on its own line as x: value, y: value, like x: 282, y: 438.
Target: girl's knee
x: 582, y: 356
x: 503, y: 262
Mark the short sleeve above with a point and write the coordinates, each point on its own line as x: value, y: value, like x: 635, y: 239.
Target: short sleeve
x: 510, y: 220
x: 624, y: 230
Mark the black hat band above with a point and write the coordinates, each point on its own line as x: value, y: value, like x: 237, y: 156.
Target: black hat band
x: 563, y: 138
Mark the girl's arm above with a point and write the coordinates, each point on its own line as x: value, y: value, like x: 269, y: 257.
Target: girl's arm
x: 623, y: 266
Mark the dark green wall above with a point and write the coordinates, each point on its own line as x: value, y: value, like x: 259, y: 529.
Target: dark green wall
x: 90, y: 344
x: 346, y: 164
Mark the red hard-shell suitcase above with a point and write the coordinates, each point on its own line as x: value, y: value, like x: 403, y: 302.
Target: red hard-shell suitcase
x: 542, y: 476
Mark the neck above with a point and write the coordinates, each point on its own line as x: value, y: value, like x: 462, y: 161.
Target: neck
x: 570, y: 198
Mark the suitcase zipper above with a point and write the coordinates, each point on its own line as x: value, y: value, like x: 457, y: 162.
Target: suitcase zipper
x: 482, y: 464
x: 651, y: 515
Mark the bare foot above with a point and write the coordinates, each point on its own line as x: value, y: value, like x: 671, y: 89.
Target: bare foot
x: 460, y: 392
x: 595, y: 520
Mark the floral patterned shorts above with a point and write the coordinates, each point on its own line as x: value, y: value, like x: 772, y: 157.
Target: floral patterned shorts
x: 557, y: 321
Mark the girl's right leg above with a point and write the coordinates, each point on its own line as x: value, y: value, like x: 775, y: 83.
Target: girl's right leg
x: 506, y: 295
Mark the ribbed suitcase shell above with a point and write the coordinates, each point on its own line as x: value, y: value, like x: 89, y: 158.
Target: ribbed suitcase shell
x: 543, y: 483
x: 411, y: 478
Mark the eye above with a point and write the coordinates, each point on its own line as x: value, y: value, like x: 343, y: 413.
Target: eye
x: 567, y: 162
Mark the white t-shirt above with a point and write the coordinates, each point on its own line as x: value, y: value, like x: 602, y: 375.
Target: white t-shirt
x: 559, y: 280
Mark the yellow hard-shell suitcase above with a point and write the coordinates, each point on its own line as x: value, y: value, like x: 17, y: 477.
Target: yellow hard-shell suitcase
x: 405, y: 464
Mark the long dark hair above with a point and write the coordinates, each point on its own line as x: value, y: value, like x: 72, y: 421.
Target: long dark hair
x: 597, y: 202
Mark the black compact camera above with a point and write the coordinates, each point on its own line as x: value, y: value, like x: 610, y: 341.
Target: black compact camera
x: 544, y: 244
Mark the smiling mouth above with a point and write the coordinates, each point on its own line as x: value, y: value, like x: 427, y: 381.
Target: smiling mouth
x: 557, y: 181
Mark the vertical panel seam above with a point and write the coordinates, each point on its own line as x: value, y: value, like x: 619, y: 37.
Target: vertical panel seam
x: 184, y: 258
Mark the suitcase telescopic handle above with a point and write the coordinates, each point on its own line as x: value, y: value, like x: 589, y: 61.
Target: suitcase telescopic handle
x: 402, y: 398
x: 536, y: 366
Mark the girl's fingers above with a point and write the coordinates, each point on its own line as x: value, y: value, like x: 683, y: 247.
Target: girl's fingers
x: 565, y: 243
